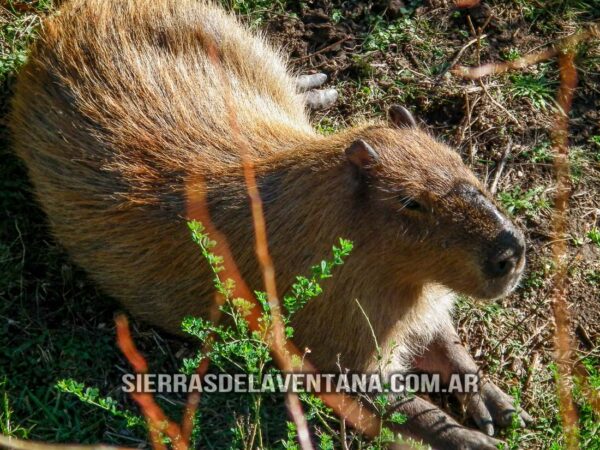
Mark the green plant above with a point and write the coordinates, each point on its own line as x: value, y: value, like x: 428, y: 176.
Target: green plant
x: 91, y: 396
x: 235, y: 346
x: 514, y: 433
x: 511, y: 54
x: 589, y: 419
x: 593, y: 277
x: 326, y: 126
x: 537, y: 88
x: 383, y: 34
x: 578, y: 161
x: 517, y: 201
x: 7, y: 427
x: 307, y: 288
x: 290, y: 443
x: 595, y: 141
x: 16, y: 37
x: 585, y: 384
x: 541, y: 153
x: 594, y: 235
x: 336, y: 15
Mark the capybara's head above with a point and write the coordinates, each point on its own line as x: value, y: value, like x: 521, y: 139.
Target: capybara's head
x: 429, y: 209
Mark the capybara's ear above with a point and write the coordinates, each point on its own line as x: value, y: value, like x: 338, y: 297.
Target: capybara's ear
x: 399, y: 116
x: 362, y: 154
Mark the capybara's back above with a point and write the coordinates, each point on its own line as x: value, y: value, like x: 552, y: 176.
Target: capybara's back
x: 119, y: 101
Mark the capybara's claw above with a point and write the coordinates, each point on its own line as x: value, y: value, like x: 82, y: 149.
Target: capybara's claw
x: 491, y: 406
x: 316, y: 98
x: 312, y: 81
x: 321, y: 98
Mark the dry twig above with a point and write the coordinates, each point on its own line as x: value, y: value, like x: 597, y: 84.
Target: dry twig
x: 563, y: 344
x: 13, y: 443
x: 500, y: 169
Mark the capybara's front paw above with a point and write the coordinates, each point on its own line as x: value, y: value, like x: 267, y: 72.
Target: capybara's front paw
x: 491, y: 406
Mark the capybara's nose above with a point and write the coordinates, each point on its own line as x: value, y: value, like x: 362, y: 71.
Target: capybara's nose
x: 506, y: 254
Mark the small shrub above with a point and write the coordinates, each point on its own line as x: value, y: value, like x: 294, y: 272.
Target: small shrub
x: 235, y: 347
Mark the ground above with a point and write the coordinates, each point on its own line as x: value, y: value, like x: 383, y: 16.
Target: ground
x: 56, y: 325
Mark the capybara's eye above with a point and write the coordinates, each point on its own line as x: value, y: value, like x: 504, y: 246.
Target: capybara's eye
x: 411, y: 204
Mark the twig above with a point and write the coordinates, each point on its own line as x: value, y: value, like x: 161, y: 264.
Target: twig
x: 481, y: 83
x: 264, y: 258
x: 500, y: 168
x: 563, y: 344
x: 458, y: 55
x: 322, y: 50
x: 158, y: 422
x: 474, y: 73
x: 14, y: 443
x: 533, y: 365
x: 499, y: 105
x: 343, y: 435
x: 465, y: 4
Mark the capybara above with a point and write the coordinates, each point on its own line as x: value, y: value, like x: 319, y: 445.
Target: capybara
x: 123, y: 102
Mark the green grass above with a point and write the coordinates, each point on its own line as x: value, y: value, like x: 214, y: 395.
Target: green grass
x: 544, y: 15
x: 43, y: 333
x: 495, y: 320
x: 590, y: 424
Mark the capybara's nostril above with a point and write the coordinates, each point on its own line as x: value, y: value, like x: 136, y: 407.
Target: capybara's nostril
x: 505, y: 256
x: 501, y: 267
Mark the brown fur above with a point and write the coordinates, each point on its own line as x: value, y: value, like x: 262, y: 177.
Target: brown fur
x: 119, y: 106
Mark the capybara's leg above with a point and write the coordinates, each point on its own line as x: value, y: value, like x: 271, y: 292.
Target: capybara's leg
x: 489, y: 405
x: 428, y: 423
